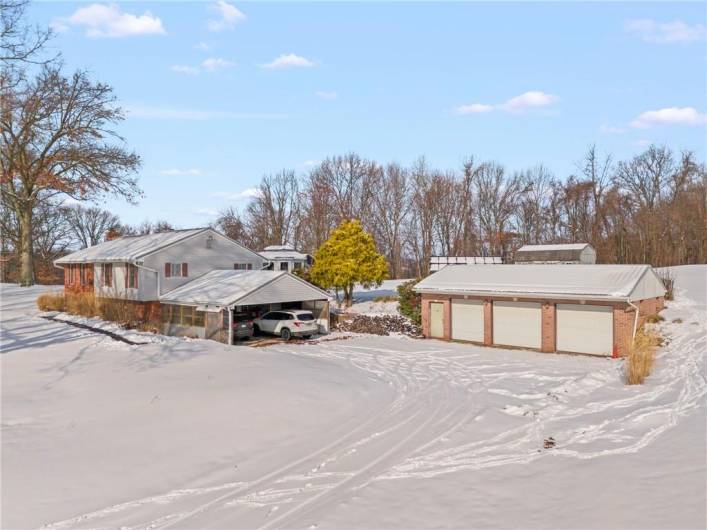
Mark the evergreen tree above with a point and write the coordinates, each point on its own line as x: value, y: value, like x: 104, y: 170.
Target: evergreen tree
x: 348, y: 257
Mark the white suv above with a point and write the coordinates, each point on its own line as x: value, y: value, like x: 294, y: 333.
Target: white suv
x: 287, y: 323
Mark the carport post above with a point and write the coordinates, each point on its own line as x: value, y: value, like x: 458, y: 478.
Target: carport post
x: 230, y: 326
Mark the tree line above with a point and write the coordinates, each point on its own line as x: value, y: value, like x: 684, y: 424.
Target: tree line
x: 648, y: 209
x: 59, y: 139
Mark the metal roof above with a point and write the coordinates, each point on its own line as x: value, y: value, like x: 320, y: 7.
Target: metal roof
x: 610, y: 282
x: 439, y: 262
x: 222, y: 288
x: 128, y: 248
x: 561, y: 246
x: 282, y: 254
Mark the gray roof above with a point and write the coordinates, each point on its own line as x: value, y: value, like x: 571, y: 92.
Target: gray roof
x: 610, y: 282
x: 560, y: 253
x: 128, y: 248
x: 223, y: 288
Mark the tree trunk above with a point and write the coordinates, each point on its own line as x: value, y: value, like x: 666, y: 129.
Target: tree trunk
x: 26, y: 247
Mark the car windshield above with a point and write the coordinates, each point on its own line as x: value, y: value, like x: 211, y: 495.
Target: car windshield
x: 305, y: 316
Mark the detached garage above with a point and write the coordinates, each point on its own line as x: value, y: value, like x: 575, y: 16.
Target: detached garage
x: 590, y: 309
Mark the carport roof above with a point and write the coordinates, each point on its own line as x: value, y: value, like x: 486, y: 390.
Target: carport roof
x: 222, y: 288
x: 610, y: 282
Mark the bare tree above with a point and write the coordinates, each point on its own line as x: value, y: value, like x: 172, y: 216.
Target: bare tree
x: 230, y: 223
x: 497, y: 196
x: 390, y: 209
x: 57, y: 138
x: 19, y: 41
x: 89, y: 226
x: 272, y: 214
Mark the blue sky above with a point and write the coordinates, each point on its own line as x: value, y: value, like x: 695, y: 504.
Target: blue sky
x: 221, y: 93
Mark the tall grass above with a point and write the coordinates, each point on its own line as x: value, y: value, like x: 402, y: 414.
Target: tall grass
x: 641, y: 356
x: 51, y: 302
x: 124, y: 312
x: 82, y: 304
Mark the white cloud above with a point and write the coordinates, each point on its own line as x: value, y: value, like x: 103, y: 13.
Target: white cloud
x: 673, y: 32
x: 326, y: 95
x: 107, y: 20
x: 175, y: 172
x: 216, y: 63
x: 202, y: 46
x: 210, y: 65
x: 207, y: 212
x: 310, y: 163
x: 289, y: 60
x: 247, y: 193
x: 523, y: 102
x: 669, y: 116
x: 642, y: 143
x: 227, y: 16
x: 188, y: 114
x: 182, y: 69
x: 474, y: 108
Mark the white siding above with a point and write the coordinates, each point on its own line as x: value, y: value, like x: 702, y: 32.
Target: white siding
x: 517, y: 324
x: 468, y: 320
x: 283, y: 289
x: 117, y: 289
x: 222, y: 254
x: 649, y: 286
x: 585, y: 329
x: 588, y: 256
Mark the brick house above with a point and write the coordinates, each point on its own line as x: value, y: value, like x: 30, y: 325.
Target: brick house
x: 591, y: 309
x: 146, y: 269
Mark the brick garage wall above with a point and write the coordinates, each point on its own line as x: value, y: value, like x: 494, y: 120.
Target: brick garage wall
x: 623, y: 316
x: 426, y: 300
x: 549, y: 326
x: 72, y: 278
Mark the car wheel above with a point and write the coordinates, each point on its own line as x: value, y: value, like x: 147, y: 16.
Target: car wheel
x: 286, y: 334
x: 256, y: 329
x: 307, y: 337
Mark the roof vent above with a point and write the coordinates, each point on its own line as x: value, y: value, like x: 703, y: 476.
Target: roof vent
x: 209, y: 241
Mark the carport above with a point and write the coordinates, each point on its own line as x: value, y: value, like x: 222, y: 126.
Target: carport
x: 219, y: 294
x: 590, y: 309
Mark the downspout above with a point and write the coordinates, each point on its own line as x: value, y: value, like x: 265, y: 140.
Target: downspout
x: 635, y: 320
x: 159, y: 289
x: 230, y: 325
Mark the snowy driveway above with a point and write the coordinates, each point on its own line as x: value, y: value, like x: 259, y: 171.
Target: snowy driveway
x: 454, y: 419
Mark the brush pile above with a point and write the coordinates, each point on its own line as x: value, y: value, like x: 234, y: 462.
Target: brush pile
x: 377, y: 324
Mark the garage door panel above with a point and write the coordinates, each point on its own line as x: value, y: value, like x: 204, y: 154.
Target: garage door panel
x: 468, y: 320
x: 517, y: 324
x: 585, y: 329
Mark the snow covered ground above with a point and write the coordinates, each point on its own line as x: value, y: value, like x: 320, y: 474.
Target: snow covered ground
x: 365, y: 299
x: 369, y: 432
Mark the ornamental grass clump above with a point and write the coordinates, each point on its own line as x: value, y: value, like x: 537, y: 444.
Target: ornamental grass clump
x: 641, y: 356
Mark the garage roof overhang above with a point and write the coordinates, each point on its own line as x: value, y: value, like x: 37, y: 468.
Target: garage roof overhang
x: 523, y: 294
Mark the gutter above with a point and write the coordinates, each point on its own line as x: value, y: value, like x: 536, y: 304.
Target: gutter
x: 511, y: 294
x: 635, y: 319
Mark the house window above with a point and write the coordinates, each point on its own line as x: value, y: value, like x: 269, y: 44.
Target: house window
x: 107, y: 274
x: 284, y: 266
x: 131, y: 272
x: 181, y: 315
x: 176, y: 270
x: 242, y: 266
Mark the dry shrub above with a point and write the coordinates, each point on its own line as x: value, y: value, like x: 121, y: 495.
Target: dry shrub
x: 51, y: 302
x: 386, y: 298
x: 82, y: 304
x: 641, y: 356
x: 654, y: 319
x: 124, y: 312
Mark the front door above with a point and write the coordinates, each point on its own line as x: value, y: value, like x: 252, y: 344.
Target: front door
x: 437, y: 320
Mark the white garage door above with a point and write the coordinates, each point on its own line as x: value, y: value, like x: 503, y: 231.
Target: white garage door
x: 517, y: 324
x: 585, y: 329
x: 468, y: 320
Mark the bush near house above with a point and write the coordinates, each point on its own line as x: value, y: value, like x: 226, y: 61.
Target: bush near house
x: 641, y: 356
x: 124, y: 312
x: 51, y: 302
x: 410, y: 304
